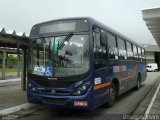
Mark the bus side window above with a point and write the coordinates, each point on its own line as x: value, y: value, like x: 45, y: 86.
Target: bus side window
x: 99, y: 50
x: 129, y: 51
x: 103, y: 43
x: 135, y: 52
x: 122, y: 49
x: 143, y: 55
x: 112, y: 47
x: 139, y: 54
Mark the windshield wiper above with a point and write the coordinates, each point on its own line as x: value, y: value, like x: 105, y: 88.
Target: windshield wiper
x: 64, y: 40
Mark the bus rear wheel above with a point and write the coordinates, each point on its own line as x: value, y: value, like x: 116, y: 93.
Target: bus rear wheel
x: 112, y: 95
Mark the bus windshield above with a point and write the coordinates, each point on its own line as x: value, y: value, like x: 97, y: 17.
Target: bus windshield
x: 59, y: 56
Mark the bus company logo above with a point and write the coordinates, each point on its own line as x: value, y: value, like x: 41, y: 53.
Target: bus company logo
x: 53, y: 92
x: 119, y: 68
x: 80, y: 103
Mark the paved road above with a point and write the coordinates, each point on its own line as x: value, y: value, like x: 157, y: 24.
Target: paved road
x: 125, y: 104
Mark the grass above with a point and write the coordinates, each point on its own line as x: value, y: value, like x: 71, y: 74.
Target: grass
x: 9, y: 70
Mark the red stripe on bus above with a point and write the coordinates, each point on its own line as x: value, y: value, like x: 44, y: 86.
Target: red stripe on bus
x: 132, y: 74
x: 102, y: 85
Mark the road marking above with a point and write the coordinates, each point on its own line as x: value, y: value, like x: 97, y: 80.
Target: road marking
x: 10, y: 80
x: 16, y: 108
x: 151, y: 103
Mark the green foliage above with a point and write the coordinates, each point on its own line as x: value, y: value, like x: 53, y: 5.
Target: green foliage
x: 12, y: 58
x: 0, y: 56
x: 12, y: 61
x: 9, y: 70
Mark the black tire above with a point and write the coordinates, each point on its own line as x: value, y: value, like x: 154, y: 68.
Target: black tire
x: 138, y: 83
x: 112, y: 93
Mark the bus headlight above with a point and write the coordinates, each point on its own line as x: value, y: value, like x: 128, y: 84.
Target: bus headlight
x: 29, y: 85
x: 78, y: 92
x: 83, y: 88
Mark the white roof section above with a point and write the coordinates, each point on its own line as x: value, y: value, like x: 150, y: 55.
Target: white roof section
x: 151, y: 8
x: 152, y: 18
x: 3, y: 31
x: 12, y: 32
x: 21, y: 34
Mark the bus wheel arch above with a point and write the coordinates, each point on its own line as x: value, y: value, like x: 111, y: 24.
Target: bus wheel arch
x: 113, y: 92
x: 116, y: 83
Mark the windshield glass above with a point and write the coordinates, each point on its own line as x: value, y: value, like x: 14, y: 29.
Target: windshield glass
x: 59, y: 56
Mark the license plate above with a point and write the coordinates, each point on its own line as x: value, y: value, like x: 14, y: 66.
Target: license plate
x: 80, y: 103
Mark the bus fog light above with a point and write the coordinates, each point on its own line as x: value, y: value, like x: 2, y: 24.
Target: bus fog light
x: 78, y: 92
x: 33, y: 89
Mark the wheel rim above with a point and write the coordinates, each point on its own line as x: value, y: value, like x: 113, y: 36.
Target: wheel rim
x: 138, y: 84
x: 112, y: 94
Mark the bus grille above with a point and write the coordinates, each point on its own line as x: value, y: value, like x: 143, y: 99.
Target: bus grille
x: 55, y: 100
x: 57, y: 92
x: 54, y: 84
x: 44, y: 82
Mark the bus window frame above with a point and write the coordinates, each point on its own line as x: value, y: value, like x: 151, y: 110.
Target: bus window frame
x: 119, y: 48
x: 131, y: 45
x: 116, y: 47
x: 99, y: 31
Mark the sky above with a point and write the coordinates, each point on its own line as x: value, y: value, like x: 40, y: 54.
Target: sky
x: 124, y: 16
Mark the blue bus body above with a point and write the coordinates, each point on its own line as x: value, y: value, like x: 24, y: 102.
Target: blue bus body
x: 123, y: 73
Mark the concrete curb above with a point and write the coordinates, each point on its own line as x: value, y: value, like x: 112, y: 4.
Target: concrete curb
x: 16, y: 108
x: 152, y: 102
x: 10, y: 80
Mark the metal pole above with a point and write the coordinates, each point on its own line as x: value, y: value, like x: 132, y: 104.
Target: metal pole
x: 18, y: 65
x: 3, y: 64
x: 23, y: 75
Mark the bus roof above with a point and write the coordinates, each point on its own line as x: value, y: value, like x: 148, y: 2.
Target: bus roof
x: 92, y: 22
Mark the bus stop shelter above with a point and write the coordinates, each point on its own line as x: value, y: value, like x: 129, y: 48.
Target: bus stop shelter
x: 152, y: 20
x: 11, y: 39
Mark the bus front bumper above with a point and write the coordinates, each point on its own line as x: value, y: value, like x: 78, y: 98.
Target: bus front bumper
x: 73, y: 102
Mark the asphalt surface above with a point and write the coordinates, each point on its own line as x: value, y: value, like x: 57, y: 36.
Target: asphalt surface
x: 125, y: 104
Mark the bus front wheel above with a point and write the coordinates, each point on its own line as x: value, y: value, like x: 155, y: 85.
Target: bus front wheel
x: 112, y: 94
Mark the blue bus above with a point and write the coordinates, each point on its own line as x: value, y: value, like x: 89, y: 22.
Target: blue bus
x: 80, y: 63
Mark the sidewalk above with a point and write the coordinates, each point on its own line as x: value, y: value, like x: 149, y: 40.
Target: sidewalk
x: 10, y: 80
x: 155, y: 109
